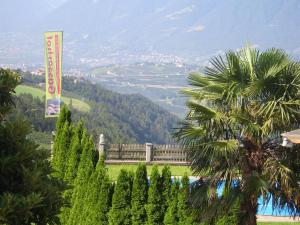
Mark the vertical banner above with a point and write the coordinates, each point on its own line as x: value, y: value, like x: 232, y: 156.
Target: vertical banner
x: 53, y: 72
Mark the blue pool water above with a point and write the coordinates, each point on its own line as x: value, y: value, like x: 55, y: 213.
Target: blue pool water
x: 262, y: 210
x: 268, y: 210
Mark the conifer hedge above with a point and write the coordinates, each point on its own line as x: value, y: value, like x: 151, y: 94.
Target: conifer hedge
x: 139, y: 196
x: 133, y: 199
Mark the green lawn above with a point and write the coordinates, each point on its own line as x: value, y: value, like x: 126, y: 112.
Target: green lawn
x: 113, y: 170
x: 36, y: 92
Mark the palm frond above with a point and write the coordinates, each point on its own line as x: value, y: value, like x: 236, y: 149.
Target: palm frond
x: 278, y: 173
x: 198, y: 80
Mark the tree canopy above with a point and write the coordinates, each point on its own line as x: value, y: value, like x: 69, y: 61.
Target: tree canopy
x: 8, y: 82
x: 28, y: 191
x: 139, y: 195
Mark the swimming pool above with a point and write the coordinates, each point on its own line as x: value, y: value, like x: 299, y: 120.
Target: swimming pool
x: 266, y: 210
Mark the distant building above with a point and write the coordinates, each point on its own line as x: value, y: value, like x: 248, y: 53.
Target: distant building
x: 38, y: 72
x: 42, y: 85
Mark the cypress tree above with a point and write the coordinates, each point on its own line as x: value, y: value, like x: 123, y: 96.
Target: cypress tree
x: 103, y: 205
x: 184, y: 210
x: 139, y: 195
x: 79, y: 129
x: 61, y: 142
x: 110, y: 194
x: 86, y: 159
x: 74, y: 154
x: 131, y: 178
x: 71, y: 168
x: 166, y: 187
x: 119, y: 213
x: 85, y: 169
x: 64, y: 145
x: 171, y: 216
x: 61, y: 152
x: 64, y: 116
x: 92, y: 193
x: 155, y: 215
x: 100, y: 213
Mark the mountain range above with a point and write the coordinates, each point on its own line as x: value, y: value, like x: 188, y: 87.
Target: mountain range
x: 188, y: 29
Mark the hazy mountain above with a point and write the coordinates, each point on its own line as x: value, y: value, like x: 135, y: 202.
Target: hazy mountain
x: 187, y: 28
x: 19, y: 15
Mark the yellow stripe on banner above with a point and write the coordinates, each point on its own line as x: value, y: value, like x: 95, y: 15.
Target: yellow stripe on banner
x: 53, y: 72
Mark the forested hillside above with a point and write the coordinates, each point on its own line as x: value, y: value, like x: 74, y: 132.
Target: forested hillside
x: 122, y: 118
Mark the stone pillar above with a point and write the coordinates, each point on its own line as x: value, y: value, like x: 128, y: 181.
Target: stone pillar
x: 149, y: 152
x: 101, y: 146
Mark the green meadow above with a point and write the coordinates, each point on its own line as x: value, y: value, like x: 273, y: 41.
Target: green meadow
x: 36, y: 92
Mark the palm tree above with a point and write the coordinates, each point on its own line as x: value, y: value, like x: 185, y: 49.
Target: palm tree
x: 237, y: 110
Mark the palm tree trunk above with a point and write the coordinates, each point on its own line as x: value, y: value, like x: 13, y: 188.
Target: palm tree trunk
x: 249, y: 210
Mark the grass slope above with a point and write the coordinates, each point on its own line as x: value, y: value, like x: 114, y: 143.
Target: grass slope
x: 76, y: 103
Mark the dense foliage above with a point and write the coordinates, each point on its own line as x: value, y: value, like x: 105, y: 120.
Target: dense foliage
x: 94, y: 199
x: 29, y: 194
x: 155, y: 204
x: 184, y: 210
x: 122, y: 118
x: 166, y: 187
x: 8, y: 82
x: 120, y: 212
x: 139, y: 196
x: 171, y: 213
x: 238, y: 109
x: 36, y: 192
